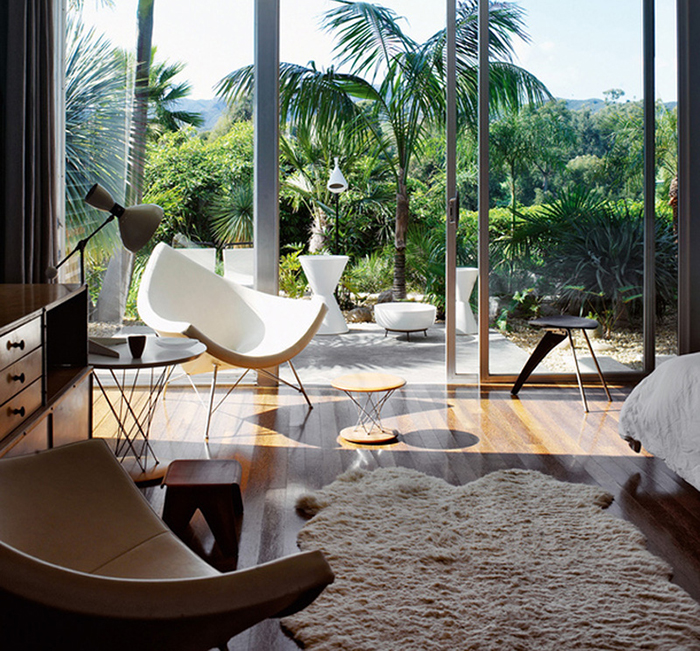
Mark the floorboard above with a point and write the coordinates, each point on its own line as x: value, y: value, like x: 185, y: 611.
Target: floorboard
x: 456, y: 433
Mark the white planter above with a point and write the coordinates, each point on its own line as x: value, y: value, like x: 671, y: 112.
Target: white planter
x: 464, y: 317
x: 323, y: 273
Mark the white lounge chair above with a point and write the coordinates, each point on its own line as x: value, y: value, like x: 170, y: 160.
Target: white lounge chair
x: 241, y: 327
x: 86, y: 563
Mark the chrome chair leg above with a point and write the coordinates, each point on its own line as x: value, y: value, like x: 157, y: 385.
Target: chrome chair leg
x: 211, y: 402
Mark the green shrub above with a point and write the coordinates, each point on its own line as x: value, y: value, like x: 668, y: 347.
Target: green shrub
x: 372, y: 274
x: 594, y: 251
x: 291, y: 279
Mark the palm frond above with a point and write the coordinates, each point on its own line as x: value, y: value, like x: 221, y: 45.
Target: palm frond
x: 368, y: 35
x: 96, y: 129
x: 231, y: 215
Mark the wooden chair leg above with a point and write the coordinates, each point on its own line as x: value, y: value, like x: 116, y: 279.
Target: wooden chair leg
x: 178, y: 510
x: 221, y: 507
x: 550, y: 339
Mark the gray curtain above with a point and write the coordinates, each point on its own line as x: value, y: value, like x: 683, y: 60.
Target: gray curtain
x: 27, y: 140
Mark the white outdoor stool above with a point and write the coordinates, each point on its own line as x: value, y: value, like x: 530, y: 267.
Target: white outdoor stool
x: 323, y: 273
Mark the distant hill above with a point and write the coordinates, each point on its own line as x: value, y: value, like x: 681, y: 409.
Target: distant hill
x: 592, y: 104
x: 597, y: 104
x: 210, y: 110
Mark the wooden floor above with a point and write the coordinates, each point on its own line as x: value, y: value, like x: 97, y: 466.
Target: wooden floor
x: 458, y: 434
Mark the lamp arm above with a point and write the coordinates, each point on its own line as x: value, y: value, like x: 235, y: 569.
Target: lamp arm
x: 79, y: 247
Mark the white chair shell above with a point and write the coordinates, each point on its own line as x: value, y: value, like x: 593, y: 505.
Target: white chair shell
x: 86, y: 563
x: 241, y: 327
x: 205, y: 256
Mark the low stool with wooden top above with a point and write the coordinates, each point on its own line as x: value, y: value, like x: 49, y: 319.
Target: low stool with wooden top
x: 213, y: 487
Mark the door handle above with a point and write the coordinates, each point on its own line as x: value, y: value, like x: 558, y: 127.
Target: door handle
x: 453, y: 210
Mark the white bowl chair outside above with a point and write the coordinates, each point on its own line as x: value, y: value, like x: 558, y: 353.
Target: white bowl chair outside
x: 405, y: 317
x: 239, y: 266
x: 323, y: 273
x: 204, y: 256
x: 241, y: 327
x: 465, y: 321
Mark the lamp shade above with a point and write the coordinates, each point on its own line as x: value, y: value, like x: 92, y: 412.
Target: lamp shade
x: 137, y: 225
x: 337, y: 182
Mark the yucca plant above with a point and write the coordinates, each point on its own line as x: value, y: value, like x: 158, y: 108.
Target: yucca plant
x: 96, y: 133
x: 594, y: 251
x: 231, y: 215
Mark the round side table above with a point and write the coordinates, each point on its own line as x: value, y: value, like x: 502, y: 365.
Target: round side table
x: 369, y: 392
x: 133, y: 416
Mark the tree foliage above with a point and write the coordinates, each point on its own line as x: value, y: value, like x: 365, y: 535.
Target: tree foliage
x: 190, y: 177
x: 96, y: 134
x: 394, y: 90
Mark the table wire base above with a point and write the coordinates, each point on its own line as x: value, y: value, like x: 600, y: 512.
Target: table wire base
x: 134, y: 422
x: 369, y: 426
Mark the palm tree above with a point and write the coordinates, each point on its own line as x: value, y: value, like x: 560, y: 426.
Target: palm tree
x: 139, y: 127
x: 96, y: 134
x: 394, y: 89
x: 163, y: 96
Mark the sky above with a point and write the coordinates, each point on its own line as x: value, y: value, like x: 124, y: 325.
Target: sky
x: 579, y: 49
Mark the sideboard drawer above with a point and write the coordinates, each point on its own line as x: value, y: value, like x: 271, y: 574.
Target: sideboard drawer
x: 21, y: 374
x: 20, y: 407
x: 19, y: 342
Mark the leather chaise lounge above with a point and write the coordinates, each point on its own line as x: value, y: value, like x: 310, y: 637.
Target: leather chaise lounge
x: 86, y: 563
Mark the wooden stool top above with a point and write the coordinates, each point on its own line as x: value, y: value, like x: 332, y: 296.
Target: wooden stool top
x: 368, y: 382
x: 565, y: 321
x: 203, y: 472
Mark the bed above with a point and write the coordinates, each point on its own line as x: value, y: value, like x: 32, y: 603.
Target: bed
x: 662, y: 413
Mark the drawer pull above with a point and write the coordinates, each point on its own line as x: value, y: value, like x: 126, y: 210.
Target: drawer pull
x: 18, y: 344
x: 18, y: 378
x: 19, y: 411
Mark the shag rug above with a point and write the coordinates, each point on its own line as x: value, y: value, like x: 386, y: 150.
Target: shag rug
x: 513, y: 561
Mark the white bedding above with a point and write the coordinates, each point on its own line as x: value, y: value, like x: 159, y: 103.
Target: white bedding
x: 663, y: 413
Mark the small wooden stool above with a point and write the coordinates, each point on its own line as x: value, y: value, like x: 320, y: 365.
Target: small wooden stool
x: 373, y: 391
x: 212, y: 486
x: 558, y: 328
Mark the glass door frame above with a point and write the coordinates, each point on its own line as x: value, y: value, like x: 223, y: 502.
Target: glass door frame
x: 484, y: 376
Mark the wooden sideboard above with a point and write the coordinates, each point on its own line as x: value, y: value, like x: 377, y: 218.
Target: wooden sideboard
x: 45, y: 380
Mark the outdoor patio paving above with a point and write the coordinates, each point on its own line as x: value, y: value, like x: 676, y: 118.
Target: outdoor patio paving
x: 418, y: 359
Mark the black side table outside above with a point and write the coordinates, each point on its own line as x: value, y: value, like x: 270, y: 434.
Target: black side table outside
x: 558, y: 328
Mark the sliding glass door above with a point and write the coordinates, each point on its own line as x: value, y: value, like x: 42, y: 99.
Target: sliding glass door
x: 572, y: 204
